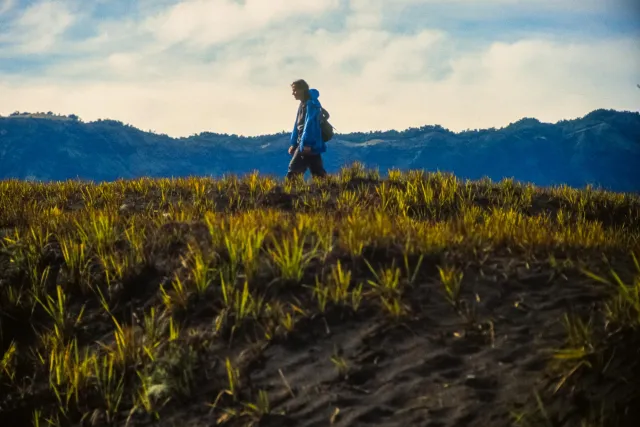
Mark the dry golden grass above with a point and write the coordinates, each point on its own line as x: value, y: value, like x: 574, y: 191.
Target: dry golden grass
x: 121, y: 301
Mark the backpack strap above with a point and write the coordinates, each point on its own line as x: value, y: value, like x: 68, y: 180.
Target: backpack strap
x: 325, y: 116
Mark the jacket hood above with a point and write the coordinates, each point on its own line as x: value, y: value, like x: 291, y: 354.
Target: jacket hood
x: 314, y: 94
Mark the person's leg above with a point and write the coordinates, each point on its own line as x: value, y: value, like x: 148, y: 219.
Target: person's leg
x: 316, y: 166
x: 297, y: 165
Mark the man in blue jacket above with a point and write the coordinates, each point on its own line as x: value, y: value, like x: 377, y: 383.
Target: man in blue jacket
x: 307, y: 145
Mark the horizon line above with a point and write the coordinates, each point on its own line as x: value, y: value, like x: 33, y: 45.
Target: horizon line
x: 70, y: 117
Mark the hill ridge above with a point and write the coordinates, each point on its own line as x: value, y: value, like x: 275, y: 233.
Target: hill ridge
x: 601, y: 148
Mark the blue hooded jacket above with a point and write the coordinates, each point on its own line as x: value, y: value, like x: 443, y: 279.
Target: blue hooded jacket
x: 311, y: 135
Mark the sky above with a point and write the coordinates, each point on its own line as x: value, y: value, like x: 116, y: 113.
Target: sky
x: 226, y: 66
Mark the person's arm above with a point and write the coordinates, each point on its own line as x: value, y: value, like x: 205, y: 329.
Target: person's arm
x: 294, y: 134
x: 311, y: 117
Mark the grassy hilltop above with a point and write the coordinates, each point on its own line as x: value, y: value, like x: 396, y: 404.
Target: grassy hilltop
x: 602, y: 148
x: 419, y: 299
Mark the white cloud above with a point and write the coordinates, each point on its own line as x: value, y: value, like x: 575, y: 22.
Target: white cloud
x: 404, y: 57
x: 6, y: 5
x: 39, y: 26
x: 365, y: 13
x: 368, y: 77
x: 201, y: 23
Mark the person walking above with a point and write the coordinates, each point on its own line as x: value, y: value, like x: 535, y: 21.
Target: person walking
x: 306, y: 140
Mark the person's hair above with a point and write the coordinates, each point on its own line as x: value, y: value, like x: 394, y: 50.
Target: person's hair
x: 301, y: 84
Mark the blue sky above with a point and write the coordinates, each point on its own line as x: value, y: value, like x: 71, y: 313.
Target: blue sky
x: 183, y: 67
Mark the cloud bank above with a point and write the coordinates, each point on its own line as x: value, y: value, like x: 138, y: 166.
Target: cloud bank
x: 225, y: 66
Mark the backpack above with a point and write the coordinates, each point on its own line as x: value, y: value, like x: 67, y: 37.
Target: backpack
x: 325, y: 126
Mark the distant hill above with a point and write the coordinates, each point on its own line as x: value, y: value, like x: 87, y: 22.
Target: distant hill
x: 601, y: 148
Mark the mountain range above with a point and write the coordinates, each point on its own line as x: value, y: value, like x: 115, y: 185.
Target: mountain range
x: 602, y: 149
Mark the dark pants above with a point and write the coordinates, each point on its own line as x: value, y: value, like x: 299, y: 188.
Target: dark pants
x: 300, y: 162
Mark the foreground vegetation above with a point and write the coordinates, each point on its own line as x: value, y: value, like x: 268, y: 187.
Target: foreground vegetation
x: 347, y: 301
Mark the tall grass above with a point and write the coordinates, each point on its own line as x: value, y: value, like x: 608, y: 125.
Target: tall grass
x: 253, y: 256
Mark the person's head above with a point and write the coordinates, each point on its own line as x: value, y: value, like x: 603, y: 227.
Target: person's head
x: 300, y: 90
